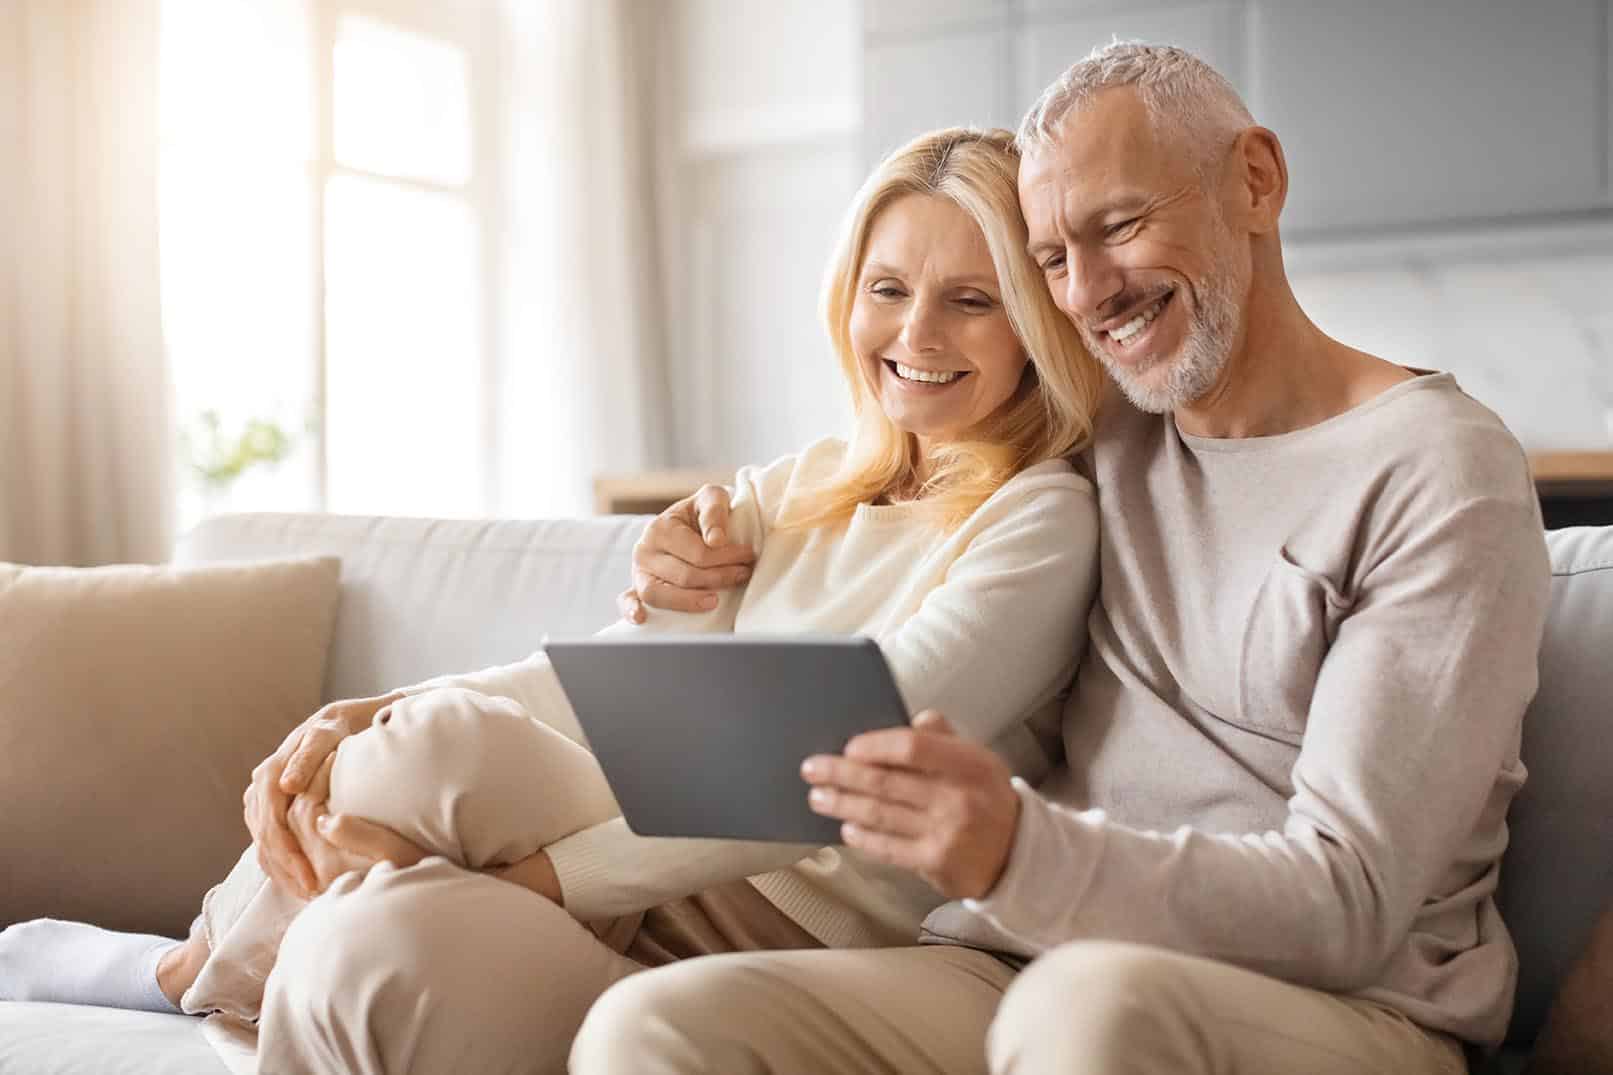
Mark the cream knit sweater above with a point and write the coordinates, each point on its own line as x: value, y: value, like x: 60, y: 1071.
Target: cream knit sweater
x: 984, y: 623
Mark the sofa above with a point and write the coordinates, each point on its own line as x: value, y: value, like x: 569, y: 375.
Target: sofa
x: 419, y: 597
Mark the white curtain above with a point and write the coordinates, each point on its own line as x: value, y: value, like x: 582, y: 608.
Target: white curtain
x: 85, y: 460
x: 582, y: 371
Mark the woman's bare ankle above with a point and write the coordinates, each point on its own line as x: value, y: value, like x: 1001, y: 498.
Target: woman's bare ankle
x: 180, y: 965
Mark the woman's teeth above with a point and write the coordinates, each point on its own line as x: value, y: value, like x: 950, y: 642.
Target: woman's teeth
x: 1138, y: 323
x: 908, y: 373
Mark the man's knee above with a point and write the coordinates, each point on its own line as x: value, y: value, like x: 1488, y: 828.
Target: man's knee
x: 662, y: 1021
x: 1090, y: 998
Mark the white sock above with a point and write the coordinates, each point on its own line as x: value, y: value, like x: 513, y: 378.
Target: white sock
x: 76, y: 963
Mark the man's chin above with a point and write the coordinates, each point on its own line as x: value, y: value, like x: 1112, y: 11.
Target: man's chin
x: 1150, y: 389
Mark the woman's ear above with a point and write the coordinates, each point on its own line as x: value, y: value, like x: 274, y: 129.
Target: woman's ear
x: 1259, y: 180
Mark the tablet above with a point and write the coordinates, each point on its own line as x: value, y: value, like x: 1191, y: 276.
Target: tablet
x: 705, y: 736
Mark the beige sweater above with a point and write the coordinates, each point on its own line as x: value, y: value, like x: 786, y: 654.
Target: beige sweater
x: 1295, y: 735
x: 985, y: 623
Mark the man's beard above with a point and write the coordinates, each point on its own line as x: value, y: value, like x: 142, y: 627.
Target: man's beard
x: 1195, y: 366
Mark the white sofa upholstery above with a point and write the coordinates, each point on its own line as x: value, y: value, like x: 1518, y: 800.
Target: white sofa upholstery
x: 422, y: 597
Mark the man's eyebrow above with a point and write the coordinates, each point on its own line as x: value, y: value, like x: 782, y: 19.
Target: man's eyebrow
x: 1130, y: 202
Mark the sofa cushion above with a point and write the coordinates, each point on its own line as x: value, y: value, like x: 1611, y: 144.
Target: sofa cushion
x: 134, y: 702
x: 76, y: 1039
x: 424, y: 597
x: 1557, y: 875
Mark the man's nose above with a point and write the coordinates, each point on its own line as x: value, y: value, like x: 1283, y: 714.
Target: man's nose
x: 1091, y: 281
x: 922, y: 331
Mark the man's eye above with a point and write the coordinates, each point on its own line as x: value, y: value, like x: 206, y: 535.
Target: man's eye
x: 1115, y: 229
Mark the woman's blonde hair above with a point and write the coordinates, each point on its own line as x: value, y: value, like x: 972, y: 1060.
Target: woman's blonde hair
x: 1049, y: 416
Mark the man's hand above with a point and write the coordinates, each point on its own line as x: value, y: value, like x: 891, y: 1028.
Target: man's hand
x: 923, y: 799
x: 288, y: 772
x: 684, y: 558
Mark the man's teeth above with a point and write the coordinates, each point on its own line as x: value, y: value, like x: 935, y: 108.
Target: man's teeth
x: 1136, y: 324
x: 908, y: 373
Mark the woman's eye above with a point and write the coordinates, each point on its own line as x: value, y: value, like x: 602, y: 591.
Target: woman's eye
x: 886, y: 291
x: 1052, y: 263
x: 974, y: 302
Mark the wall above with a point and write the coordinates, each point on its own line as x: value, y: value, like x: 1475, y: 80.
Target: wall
x: 781, y: 107
x: 759, y: 157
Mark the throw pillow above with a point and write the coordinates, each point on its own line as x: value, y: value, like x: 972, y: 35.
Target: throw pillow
x: 134, y: 703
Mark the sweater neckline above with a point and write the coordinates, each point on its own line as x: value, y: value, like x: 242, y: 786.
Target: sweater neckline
x: 1423, y: 380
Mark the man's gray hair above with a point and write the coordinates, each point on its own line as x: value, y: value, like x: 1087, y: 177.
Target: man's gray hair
x: 1184, y: 96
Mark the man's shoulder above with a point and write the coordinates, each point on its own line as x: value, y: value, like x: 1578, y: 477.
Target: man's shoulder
x: 1435, y: 441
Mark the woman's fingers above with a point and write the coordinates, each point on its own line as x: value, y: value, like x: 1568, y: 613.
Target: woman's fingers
x: 279, y: 853
x: 368, y: 840
x: 314, y: 747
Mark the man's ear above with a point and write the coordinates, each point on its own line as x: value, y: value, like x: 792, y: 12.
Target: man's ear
x: 1259, y: 179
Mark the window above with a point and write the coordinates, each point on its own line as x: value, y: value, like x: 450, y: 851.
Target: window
x: 329, y: 252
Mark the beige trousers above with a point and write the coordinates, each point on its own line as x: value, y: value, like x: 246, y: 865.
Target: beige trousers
x: 1087, y: 1008
x: 437, y: 968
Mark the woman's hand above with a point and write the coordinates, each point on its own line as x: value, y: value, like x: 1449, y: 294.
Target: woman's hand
x: 923, y: 799
x: 353, y: 843
x: 684, y: 558
x: 288, y: 772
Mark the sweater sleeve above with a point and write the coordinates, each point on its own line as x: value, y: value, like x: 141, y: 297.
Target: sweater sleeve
x: 1430, y: 671
x: 1000, y: 638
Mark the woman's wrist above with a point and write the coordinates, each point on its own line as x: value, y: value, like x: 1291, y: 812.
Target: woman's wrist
x: 536, y: 873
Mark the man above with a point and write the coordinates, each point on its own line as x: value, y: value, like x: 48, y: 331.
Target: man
x: 1292, y: 743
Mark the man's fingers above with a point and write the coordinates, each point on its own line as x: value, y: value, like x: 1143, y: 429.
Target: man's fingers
x: 369, y: 840
x: 711, y: 507
x: 903, y: 851
x: 931, y: 720
x: 664, y: 595
x: 910, y: 748
x: 870, y: 781
x: 680, y: 541
x: 630, y: 607
x: 874, y: 814
x: 671, y: 570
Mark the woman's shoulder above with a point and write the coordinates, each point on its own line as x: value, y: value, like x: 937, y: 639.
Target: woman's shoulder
x: 772, y: 484
x: 1051, y: 495
x: 1052, y: 480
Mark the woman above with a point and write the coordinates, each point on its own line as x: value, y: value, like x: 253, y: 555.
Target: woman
x: 950, y: 528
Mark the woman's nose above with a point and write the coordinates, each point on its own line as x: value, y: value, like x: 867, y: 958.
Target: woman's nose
x: 921, y: 329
